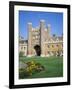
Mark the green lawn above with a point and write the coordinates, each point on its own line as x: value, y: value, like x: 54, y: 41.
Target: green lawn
x: 53, y: 66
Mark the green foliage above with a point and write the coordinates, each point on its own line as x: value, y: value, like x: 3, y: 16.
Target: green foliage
x: 23, y: 73
x: 32, y: 67
x: 51, y: 66
x: 20, y: 54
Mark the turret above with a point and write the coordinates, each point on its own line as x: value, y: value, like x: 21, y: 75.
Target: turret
x: 49, y: 29
x: 29, y: 38
x: 42, y: 28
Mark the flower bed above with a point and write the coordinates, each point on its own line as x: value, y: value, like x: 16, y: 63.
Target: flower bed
x: 32, y: 67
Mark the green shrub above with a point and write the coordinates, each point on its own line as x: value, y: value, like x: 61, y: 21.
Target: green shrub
x: 23, y: 73
x: 32, y: 67
x: 20, y: 54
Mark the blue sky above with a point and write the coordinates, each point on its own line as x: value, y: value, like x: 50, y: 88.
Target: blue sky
x: 53, y: 18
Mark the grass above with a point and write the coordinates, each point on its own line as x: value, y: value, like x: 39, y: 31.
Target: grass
x: 53, y: 66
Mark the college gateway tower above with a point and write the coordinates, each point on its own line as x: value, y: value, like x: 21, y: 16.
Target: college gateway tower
x: 40, y: 42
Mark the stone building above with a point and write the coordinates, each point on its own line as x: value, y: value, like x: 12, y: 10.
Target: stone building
x: 40, y: 42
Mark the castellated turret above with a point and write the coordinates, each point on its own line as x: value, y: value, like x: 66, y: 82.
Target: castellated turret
x: 42, y: 34
x: 29, y: 38
x: 48, y: 29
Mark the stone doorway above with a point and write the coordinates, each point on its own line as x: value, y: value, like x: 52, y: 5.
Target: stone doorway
x: 38, y: 50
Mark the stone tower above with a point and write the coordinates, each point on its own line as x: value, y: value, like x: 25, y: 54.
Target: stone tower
x: 42, y: 27
x: 37, y: 38
x: 48, y: 29
x: 29, y: 39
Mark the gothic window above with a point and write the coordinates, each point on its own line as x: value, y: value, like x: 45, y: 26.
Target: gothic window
x: 52, y: 45
x: 48, y: 52
x: 24, y: 48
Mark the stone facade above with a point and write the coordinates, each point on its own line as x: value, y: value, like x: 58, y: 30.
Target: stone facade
x: 40, y: 42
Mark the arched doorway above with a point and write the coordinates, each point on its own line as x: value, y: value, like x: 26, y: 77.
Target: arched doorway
x: 37, y: 49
